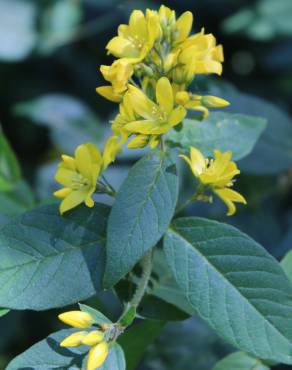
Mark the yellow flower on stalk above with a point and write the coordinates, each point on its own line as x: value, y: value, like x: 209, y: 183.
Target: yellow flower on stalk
x: 125, y: 116
x: 200, y: 103
x: 155, y: 118
x: 176, y: 30
x: 216, y: 174
x: 135, y: 40
x: 94, y: 338
x: 118, y: 75
x: 79, y: 175
x: 201, y: 55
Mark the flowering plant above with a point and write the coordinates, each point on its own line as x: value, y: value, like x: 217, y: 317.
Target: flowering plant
x: 55, y: 256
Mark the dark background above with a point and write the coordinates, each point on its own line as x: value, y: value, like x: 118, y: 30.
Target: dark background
x: 50, y: 53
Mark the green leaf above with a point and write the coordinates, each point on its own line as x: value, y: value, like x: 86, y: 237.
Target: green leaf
x: 98, y: 317
x: 59, y: 24
x: 71, y: 121
x: 224, y: 131
x: 47, y: 354
x: 16, y: 201
x: 136, y: 340
x: 48, y: 260
x: 17, y: 29
x: 286, y: 264
x: 141, y: 213
x: 273, y: 152
x: 9, y: 166
x: 234, y: 284
x: 3, y: 311
x: 240, y: 361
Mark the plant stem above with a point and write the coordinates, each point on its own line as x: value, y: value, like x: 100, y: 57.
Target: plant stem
x: 146, y: 263
x: 182, y: 206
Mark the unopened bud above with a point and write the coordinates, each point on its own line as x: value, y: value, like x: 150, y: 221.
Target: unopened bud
x: 182, y: 98
x: 97, y: 356
x: 214, y: 102
x: 74, y: 340
x: 93, y: 338
x: 77, y: 319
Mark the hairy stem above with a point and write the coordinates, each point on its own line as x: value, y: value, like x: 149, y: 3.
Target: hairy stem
x: 146, y: 264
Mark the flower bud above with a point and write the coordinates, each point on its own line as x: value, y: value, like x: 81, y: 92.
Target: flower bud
x: 214, y: 102
x: 77, y: 319
x: 93, y: 338
x: 182, y: 98
x: 97, y: 356
x: 74, y: 340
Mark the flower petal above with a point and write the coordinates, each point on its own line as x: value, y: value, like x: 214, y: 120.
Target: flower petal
x: 73, y: 200
x: 184, y: 26
x: 83, y: 160
x: 147, y: 127
x: 164, y: 95
x: 121, y: 47
x: 141, y: 104
x: 62, y: 193
x: 197, y: 160
x: 176, y: 116
x: 229, y: 196
x: 65, y: 176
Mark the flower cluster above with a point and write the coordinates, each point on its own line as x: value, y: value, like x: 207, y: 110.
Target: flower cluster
x: 80, y: 175
x: 216, y: 175
x: 158, y: 59
x: 99, y: 347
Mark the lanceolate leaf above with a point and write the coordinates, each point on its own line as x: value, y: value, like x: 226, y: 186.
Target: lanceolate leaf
x: 224, y: 131
x: 240, y: 361
x: 47, y: 355
x: 9, y: 166
x: 47, y: 260
x: 234, y: 284
x: 141, y: 213
x: 287, y: 265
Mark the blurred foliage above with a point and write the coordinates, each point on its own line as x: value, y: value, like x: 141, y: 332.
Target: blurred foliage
x: 50, y: 52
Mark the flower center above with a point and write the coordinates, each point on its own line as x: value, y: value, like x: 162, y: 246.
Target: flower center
x: 79, y: 182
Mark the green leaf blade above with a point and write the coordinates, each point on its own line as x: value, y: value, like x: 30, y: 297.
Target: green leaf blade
x: 9, y: 167
x: 224, y: 131
x: 240, y: 361
x: 234, y: 284
x: 47, y: 260
x: 141, y: 213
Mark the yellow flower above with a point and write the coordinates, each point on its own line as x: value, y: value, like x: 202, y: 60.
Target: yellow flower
x: 199, y: 103
x: 217, y: 174
x: 154, y: 118
x: 135, y: 40
x: 79, y: 175
x: 77, y: 319
x: 201, y: 55
x: 118, y: 75
x: 92, y: 338
x: 97, y: 355
x: 176, y: 30
x: 74, y: 340
x: 95, y: 338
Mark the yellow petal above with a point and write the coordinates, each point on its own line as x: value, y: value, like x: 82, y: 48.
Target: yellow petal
x: 198, y: 161
x: 147, y: 127
x: 214, y: 102
x: 94, y: 153
x: 187, y: 159
x: 73, y: 200
x: 77, y: 319
x: 139, y: 141
x: 97, y: 356
x: 62, y: 193
x: 69, y: 162
x: 154, y: 140
x: 164, y: 95
x: 229, y: 196
x: 112, y: 147
x: 208, y: 66
x: 74, y: 340
x: 138, y: 25
x: 221, y: 161
x: 65, y: 176
x: 121, y: 47
x: 184, y: 26
x: 141, y: 103
x: 176, y: 116
x: 92, y: 338
x: 108, y: 93
x: 83, y: 160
